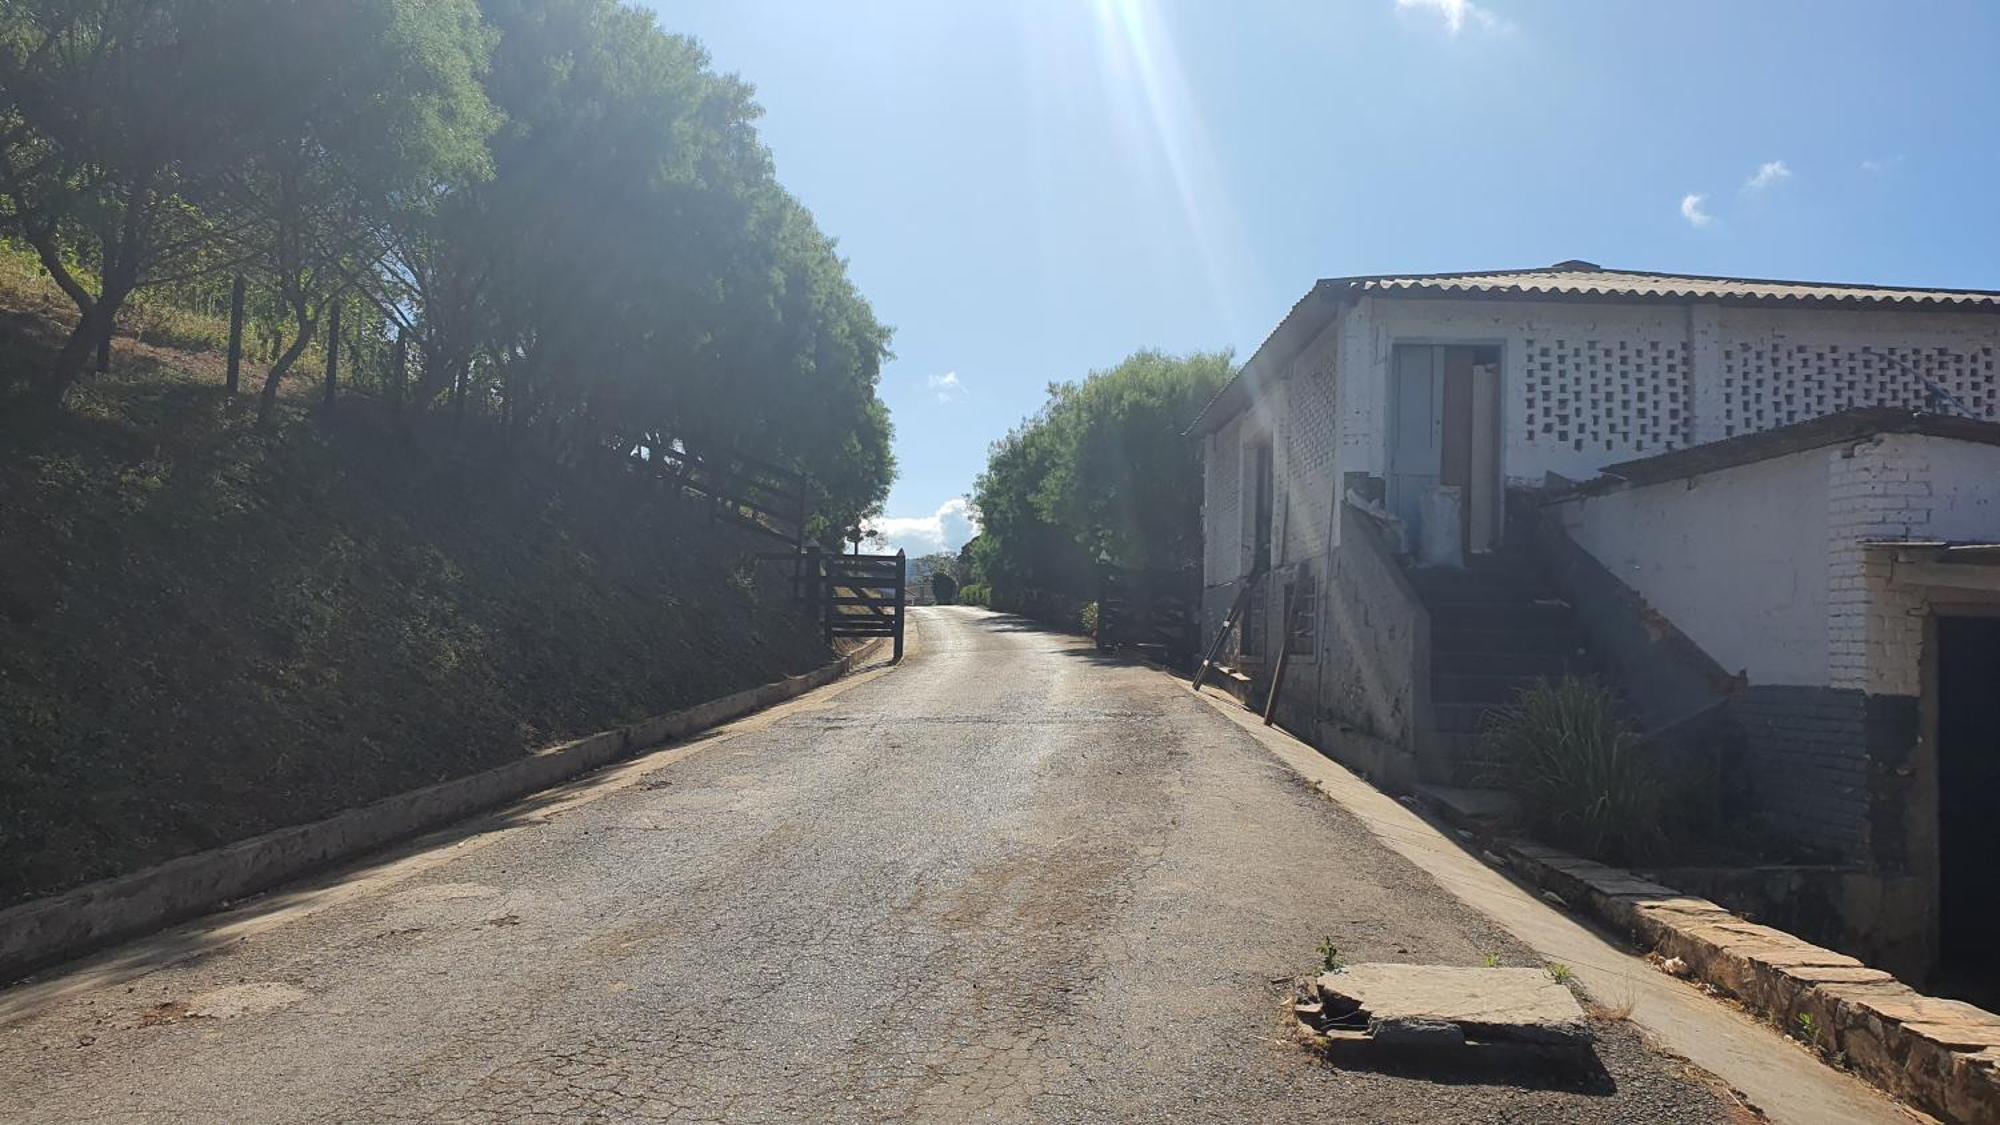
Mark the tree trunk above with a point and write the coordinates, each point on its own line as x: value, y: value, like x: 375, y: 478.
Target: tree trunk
x: 267, y: 400
x: 105, y: 330
x: 332, y: 353
x: 78, y: 350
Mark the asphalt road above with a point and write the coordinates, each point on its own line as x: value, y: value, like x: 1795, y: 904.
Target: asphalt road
x: 1008, y: 880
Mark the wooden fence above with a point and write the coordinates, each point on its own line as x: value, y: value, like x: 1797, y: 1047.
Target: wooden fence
x: 858, y: 595
x: 755, y: 494
x: 1157, y: 610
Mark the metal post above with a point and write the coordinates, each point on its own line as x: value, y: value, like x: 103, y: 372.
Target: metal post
x: 814, y: 608
x: 399, y: 361
x: 235, y: 335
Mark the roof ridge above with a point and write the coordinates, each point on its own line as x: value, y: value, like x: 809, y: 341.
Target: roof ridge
x: 1580, y: 266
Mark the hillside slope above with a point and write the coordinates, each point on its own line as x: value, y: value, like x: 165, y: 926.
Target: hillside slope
x: 208, y: 630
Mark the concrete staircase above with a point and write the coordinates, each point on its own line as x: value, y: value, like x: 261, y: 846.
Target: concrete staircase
x: 1496, y: 627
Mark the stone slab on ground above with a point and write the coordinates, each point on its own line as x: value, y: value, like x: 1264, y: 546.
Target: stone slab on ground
x: 1487, y: 1004
x: 1495, y: 805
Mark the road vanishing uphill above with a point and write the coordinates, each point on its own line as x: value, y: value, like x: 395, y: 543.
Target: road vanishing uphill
x: 1007, y: 880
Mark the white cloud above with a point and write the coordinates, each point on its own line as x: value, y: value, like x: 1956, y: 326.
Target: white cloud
x: 947, y: 386
x: 946, y: 529
x: 1768, y: 174
x: 1692, y: 212
x: 1876, y: 165
x: 1456, y: 14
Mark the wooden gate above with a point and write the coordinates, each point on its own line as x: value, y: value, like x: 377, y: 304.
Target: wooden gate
x: 1158, y: 610
x: 858, y: 595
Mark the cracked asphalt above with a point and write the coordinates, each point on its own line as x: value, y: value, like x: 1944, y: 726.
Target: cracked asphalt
x: 1009, y: 880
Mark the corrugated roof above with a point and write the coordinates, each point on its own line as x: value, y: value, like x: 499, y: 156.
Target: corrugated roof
x: 1586, y: 280
x: 1576, y: 280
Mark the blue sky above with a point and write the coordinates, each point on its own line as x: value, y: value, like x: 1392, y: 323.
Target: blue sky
x: 1028, y: 191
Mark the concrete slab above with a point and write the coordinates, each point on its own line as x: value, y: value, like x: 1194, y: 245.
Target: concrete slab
x: 1477, y: 804
x: 1490, y: 1005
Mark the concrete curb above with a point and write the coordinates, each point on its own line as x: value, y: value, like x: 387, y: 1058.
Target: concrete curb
x: 1942, y: 1056
x: 45, y: 931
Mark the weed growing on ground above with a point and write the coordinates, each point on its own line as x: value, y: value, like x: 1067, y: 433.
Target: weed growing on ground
x: 1809, y: 1030
x: 1329, y: 956
x: 1560, y: 973
x: 1622, y: 1010
x: 1492, y: 960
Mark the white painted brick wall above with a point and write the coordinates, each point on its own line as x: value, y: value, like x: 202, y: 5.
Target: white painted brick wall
x: 1897, y: 486
x: 1221, y: 504
x: 1877, y: 489
x: 1309, y: 455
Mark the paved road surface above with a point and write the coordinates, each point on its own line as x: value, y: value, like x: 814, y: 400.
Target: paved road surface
x: 1009, y: 880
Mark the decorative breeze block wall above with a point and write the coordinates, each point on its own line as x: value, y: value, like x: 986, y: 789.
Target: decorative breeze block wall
x: 1626, y: 396
x: 1307, y: 469
x: 1773, y: 383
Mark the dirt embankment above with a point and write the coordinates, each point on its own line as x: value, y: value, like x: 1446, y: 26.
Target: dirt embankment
x: 208, y: 631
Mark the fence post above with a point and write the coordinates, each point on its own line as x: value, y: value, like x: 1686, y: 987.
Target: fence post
x: 399, y: 362
x: 814, y: 610
x: 235, y: 335
x: 902, y: 600
x: 332, y: 349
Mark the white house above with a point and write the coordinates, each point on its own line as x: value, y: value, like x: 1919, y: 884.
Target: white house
x: 1768, y: 511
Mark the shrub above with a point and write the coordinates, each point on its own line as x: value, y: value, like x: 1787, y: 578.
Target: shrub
x: 1088, y: 619
x: 1585, y: 779
x: 975, y: 593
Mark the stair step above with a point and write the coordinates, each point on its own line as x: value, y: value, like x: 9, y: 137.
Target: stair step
x: 1445, y: 578
x: 1475, y: 774
x: 1440, y: 600
x: 1460, y: 718
x: 1531, y: 664
x: 1502, y: 615
x: 1554, y: 640
x: 1479, y: 688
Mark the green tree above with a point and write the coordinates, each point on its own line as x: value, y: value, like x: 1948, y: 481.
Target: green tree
x: 677, y: 299
x: 113, y: 129
x: 363, y: 109
x: 1102, y: 472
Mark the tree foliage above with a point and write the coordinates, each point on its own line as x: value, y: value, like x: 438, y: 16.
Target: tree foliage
x: 563, y: 209
x: 1102, y: 472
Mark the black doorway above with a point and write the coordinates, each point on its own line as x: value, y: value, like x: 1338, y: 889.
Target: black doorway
x: 1968, y: 756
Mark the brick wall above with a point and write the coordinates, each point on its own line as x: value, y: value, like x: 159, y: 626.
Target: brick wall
x: 1879, y: 489
x: 1306, y: 453
x: 1221, y: 505
x: 1804, y: 759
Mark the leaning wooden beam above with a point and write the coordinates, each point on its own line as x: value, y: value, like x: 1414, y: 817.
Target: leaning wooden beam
x: 1228, y: 622
x: 1284, y: 655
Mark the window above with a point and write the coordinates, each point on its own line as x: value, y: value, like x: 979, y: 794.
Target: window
x: 1301, y: 631
x: 1250, y: 635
